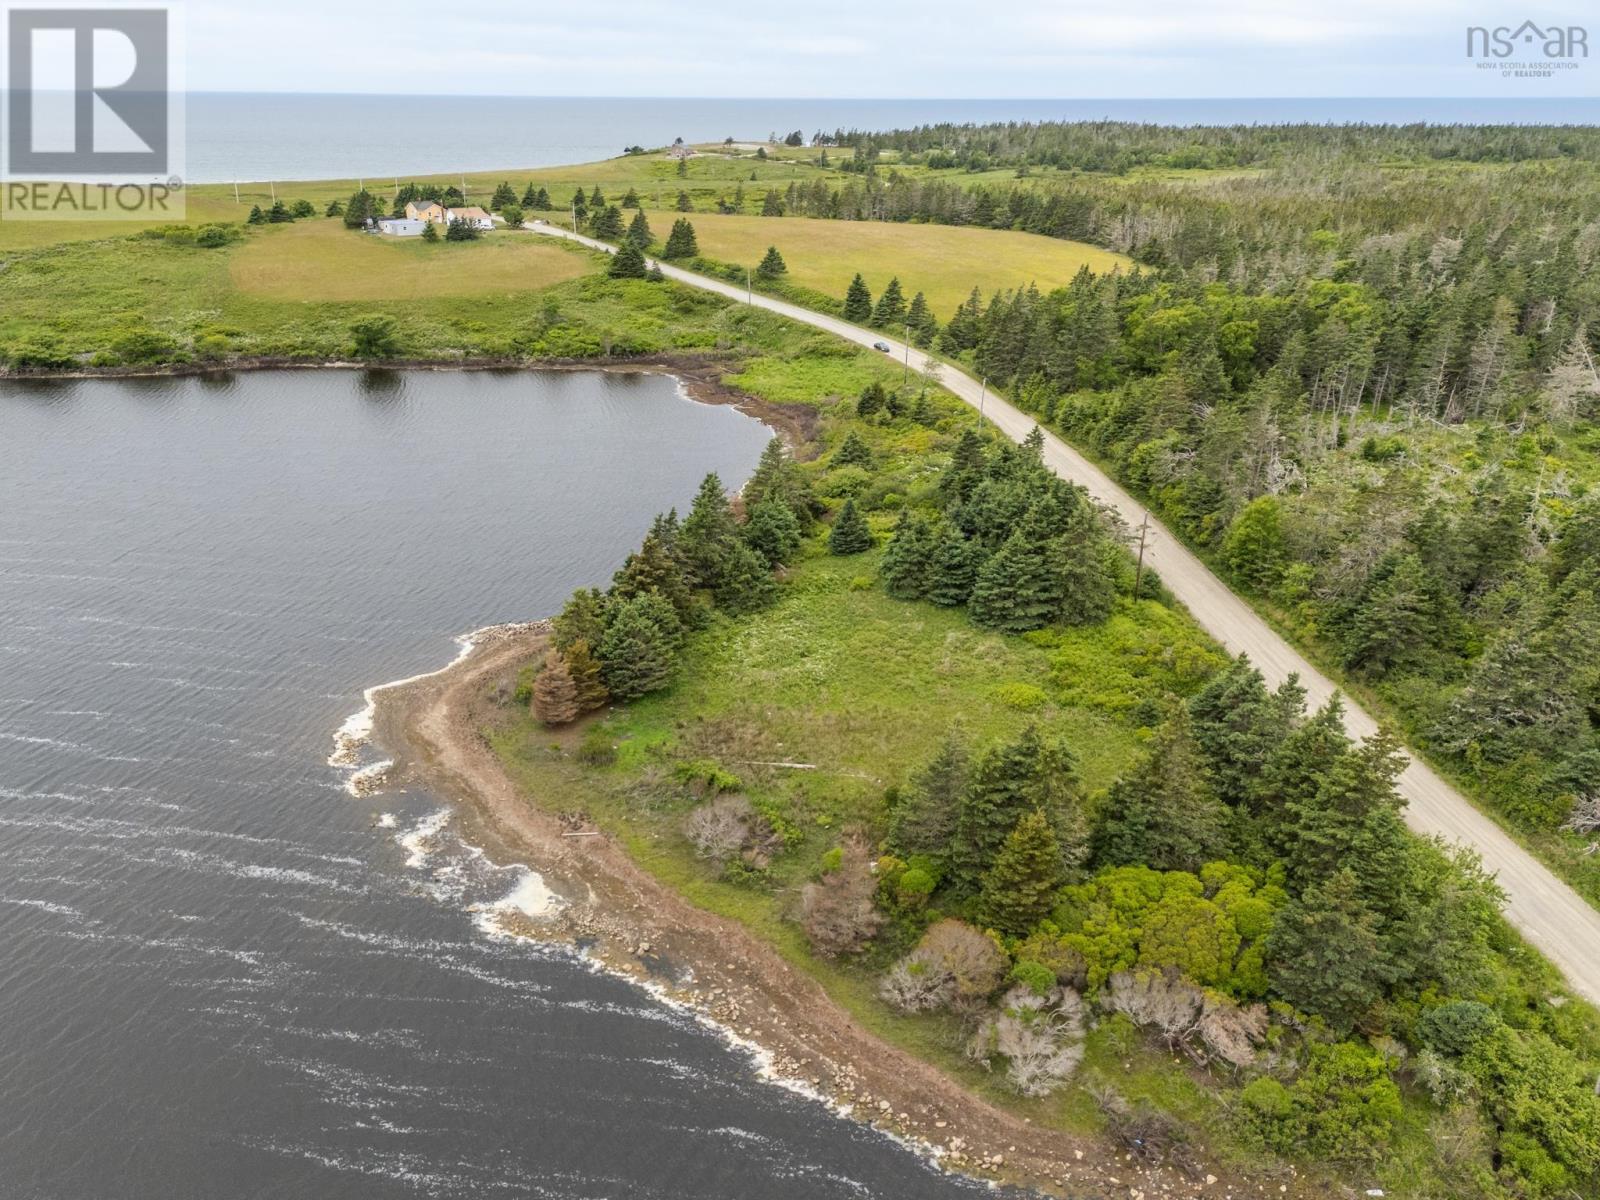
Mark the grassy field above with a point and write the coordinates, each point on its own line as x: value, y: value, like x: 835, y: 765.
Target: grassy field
x: 322, y: 260
x: 654, y: 176
x: 944, y: 262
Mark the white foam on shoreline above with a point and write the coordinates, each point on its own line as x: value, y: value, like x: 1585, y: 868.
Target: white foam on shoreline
x: 369, y: 779
x: 531, y: 897
x: 354, y: 733
x: 764, y: 1062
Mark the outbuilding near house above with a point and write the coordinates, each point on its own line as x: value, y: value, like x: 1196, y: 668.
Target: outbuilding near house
x: 401, y: 226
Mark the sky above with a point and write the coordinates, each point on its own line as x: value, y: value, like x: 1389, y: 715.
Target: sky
x: 885, y: 48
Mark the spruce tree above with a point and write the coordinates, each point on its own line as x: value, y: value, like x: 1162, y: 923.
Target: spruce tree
x: 744, y: 581
x: 952, y: 567
x: 631, y: 200
x: 772, y: 264
x: 607, y: 223
x: 776, y: 477
x: 1294, y: 774
x: 850, y: 533
x: 708, y: 533
x: 962, y: 331
x: 773, y: 531
x: 585, y: 671
x: 542, y: 200
x: 966, y: 468
x: 924, y: 820
x: 1237, y: 728
x: 858, y: 302
x: 684, y: 203
x: 1019, y: 588
x: 637, y: 654
x: 1400, y: 621
x: 356, y: 212
x: 582, y: 619
x: 771, y: 205
x: 1088, y: 588
x: 1162, y: 814
x: 1323, y: 954
x: 654, y: 568
x: 597, y: 198
x: 891, y: 307
x: 1019, y: 889
x: 1353, y: 812
x: 639, y: 232
x: 853, y: 452
x: 257, y: 217
x: 920, y: 317
x: 628, y: 263
x: 555, y: 696
x: 1007, y: 782
x: 872, y: 399
x: 430, y: 232
x: 681, y: 241
x: 580, y: 206
x: 530, y: 198
x: 908, y: 560
x: 503, y: 195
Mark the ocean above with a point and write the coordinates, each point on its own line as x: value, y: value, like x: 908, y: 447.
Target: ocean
x: 259, y: 137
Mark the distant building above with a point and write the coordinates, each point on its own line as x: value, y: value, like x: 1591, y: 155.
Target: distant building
x: 401, y: 226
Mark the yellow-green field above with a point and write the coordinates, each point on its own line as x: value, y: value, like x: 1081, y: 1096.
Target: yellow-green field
x: 319, y: 259
x: 944, y: 262
x: 654, y: 176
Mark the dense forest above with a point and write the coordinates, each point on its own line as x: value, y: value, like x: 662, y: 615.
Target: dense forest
x: 1361, y: 374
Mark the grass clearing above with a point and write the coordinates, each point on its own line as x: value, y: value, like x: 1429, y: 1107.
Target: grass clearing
x: 322, y: 260
x: 944, y: 262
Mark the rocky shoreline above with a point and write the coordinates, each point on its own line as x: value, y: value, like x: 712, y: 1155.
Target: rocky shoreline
x: 432, y: 728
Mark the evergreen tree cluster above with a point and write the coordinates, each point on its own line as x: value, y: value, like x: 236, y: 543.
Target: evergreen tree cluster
x: 1014, y: 544
x: 1256, y: 851
x: 623, y: 643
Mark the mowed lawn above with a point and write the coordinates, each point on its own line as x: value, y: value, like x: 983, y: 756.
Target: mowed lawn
x: 945, y: 262
x: 319, y: 259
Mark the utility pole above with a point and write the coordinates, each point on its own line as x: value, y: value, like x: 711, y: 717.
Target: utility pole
x: 236, y: 191
x: 1138, y: 573
x: 905, y: 375
x: 983, y: 397
x: 274, y: 188
x: 574, y: 216
x: 749, y: 291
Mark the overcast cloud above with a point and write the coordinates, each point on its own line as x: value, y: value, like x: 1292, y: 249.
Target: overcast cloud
x: 890, y: 48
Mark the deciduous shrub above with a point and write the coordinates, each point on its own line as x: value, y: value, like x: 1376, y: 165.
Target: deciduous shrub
x: 954, y: 965
x: 1040, y: 1036
x: 838, y: 912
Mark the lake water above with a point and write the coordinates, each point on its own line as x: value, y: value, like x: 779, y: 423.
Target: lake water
x: 285, y: 136
x: 221, y: 976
